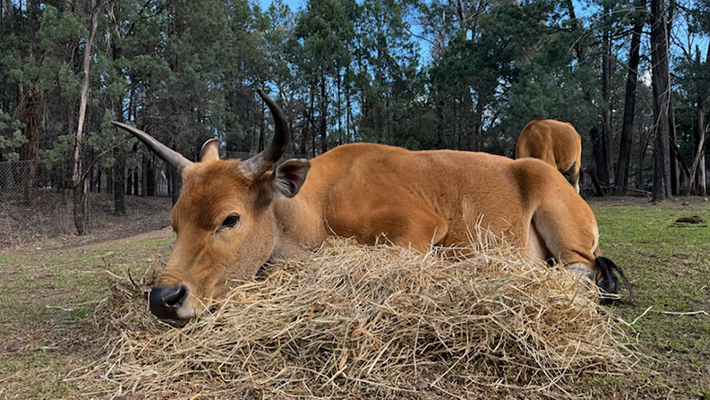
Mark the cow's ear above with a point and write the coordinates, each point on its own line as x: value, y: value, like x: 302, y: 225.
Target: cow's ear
x: 290, y: 177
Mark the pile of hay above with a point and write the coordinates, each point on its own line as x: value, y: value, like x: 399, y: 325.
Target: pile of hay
x: 367, y: 322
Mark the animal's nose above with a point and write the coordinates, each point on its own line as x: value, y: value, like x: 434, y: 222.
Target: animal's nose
x: 166, y: 300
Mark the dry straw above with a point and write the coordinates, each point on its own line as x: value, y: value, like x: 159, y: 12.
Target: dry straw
x: 367, y: 322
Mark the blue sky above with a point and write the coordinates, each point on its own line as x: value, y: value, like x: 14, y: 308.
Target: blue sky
x: 581, y: 10
x: 294, y: 4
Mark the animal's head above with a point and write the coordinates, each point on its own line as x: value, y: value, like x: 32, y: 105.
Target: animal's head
x: 224, y: 219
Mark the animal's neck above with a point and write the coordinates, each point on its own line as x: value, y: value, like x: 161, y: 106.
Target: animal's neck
x: 300, y: 223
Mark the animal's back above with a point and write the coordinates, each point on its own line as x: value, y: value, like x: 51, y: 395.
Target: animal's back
x: 374, y: 188
x: 555, y: 142
x: 419, y: 199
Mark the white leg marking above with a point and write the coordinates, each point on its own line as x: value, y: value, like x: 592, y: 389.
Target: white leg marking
x: 537, y: 247
x: 585, y: 272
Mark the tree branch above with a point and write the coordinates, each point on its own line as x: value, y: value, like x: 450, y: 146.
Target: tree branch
x: 103, y: 153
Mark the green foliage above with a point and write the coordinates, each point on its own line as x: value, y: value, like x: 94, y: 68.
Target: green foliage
x: 60, y: 153
x: 11, y: 138
x: 419, y: 74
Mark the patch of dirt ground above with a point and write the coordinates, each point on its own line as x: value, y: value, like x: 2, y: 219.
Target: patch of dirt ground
x: 44, y: 220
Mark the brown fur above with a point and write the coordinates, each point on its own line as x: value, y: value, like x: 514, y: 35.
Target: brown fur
x: 364, y: 191
x: 554, y: 142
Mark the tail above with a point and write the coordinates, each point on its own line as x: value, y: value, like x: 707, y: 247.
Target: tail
x: 607, y: 281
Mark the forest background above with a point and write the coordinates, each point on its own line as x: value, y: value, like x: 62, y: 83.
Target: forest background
x: 632, y: 77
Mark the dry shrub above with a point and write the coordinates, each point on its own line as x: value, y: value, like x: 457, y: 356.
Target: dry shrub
x: 367, y: 322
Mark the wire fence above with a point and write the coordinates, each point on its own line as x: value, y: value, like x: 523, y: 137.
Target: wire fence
x: 150, y: 178
x: 18, y: 179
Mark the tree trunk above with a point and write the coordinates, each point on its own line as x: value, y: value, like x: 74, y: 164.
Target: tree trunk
x: 603, y: 167
x: 136, y: 183
x: 696, y: 178
x: 324, y: 116
x: 441, y: 142
x: 703, y: 125
x: 478, y: 124
x: 578, y: 49
x: 348, y: 136
x: 312, y: 118
x: 144, y: 175
x: 31, y: 112
x: 598, y: 153
x: 661, y: 97
x: 176, y: 181
x: 675, y: 161
x: 150, y: 176
x: 621, y: 179
x: 119, y: 177
x: 78, y: 176
x: 262, y: 129
x: 454, y: 125
x: 302, y: 146
x: 129, y: 184
x: 119, y: 166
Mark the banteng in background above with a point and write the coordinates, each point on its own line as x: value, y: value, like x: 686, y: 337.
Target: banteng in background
x: 554, y: 142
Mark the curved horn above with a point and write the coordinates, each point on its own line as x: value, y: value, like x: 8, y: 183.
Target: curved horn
x: 173, y: 158
x: 261, y: 162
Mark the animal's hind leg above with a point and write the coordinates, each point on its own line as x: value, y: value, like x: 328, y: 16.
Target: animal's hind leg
x: 569, y: 231
x: 574, y: 176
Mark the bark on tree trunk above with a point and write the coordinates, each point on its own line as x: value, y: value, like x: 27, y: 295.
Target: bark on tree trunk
x: 697, y: 179
x: 675, y: 161
x: 31, y: 114
x: 621, y: 178
x: 439, y: 111
x: 676, y: 175
x: 661, y: 96
x: 150, y: 176
x: 119, y: 166
x: 603, y: 166
x: 703, y: 125
x: 304, y: 135
x: 478, y: 124
x: 176, y: 185
x: 144, y: 176
x: 262, y: 128
x: 598, y: 155
x: 324, y: 116
x: 119, y: 177
x: 575, y: 25
x: 78, y: 176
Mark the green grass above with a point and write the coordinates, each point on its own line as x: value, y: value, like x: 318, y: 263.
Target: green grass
x: 669, y: 267
x: 44, y: 296
x: 36, y: 286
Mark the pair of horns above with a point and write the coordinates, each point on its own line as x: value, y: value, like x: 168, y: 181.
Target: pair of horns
x: 251, y: 168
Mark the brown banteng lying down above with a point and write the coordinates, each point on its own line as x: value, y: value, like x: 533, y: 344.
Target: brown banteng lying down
x: 232, y: 216
x: 554, y: 142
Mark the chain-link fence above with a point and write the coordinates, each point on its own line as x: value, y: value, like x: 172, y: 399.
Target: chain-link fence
x: 18, y: 177
x: 150, y: 178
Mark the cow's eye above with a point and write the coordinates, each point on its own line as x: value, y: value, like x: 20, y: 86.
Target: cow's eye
x: 230, y: 222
